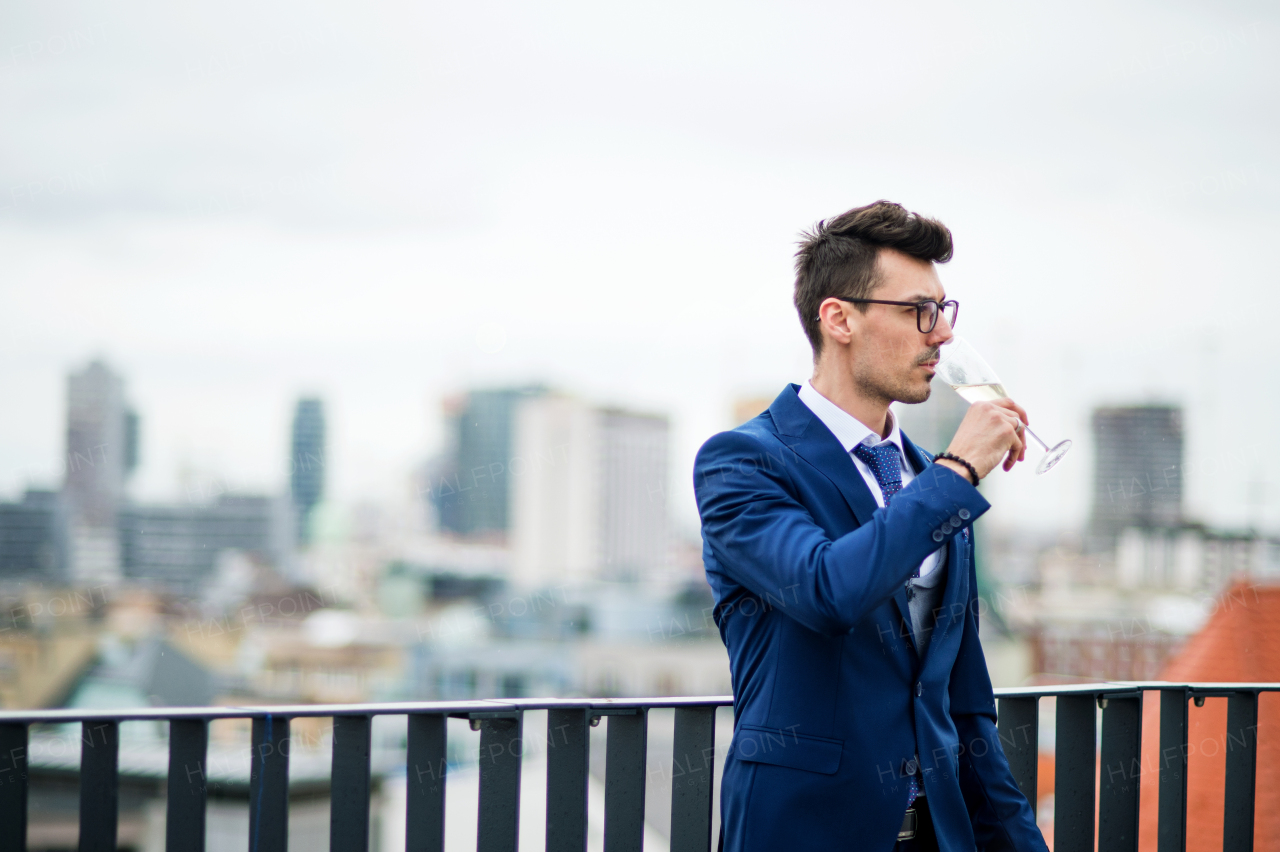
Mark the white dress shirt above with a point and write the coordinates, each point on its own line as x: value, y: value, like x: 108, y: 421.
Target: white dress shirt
x: 850, y: 432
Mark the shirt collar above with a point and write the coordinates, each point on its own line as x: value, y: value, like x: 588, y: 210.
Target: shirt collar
x: 849, y: 430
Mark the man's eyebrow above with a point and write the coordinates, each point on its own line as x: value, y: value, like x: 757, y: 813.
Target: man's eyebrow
x: 924, y: 297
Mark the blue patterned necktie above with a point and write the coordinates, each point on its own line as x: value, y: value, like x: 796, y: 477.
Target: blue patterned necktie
x: 886, y: 466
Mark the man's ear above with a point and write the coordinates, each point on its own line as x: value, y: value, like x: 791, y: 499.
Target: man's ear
x: 836, y: 321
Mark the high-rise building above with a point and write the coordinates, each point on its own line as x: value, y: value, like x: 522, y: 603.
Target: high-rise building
x: 588, y: 490
x: 555, y: 492
x: 633, y: 492
x: 469, y: 483
x: 1138, y: 470
x: 307, y: 462
x: 101, y: 451
x: 179, y: 546
x: 33, y: 537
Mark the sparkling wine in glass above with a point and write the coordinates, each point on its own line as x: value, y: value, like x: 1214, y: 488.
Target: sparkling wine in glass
x: 971, y: 376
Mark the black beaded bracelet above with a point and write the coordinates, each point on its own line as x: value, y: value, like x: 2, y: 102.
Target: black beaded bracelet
x: 973, y: 473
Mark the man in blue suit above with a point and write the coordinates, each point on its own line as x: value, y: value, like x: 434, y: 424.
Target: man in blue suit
x: 841, y: 559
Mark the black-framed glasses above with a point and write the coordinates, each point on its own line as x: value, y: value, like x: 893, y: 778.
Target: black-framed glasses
x: 926, y: 312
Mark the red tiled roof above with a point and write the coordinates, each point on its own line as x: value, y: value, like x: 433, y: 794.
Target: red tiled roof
x: 1240, y: 642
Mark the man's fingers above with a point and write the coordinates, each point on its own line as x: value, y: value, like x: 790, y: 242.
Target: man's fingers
x: 1017, y: 447
x: 1015, y: 455
x: 1010, y: 405
x: 994, y: 430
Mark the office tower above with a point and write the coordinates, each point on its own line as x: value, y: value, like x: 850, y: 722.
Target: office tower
x: 307, y: 463
x: 588, y: 492
x: 1137, y: 468
x: 554, y: 492
x: 633, y: 492
x: 101, y: 451
x: 469, y: 482
x: 33, y: 537
x: 179, y: 545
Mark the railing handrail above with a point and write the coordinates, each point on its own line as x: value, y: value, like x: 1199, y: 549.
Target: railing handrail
x: 1112, y: 687
x: 605, y: 705
x: 475, y: 708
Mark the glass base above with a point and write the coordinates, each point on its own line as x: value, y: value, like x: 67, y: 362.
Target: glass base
x: 1052, y: 457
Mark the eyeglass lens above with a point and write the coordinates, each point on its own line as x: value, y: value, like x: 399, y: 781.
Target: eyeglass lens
x: 927, y: 315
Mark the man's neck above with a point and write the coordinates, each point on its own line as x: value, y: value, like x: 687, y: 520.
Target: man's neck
x: 840, y: 389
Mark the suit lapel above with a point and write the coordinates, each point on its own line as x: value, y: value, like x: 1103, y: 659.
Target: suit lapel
x: 916, y: 457
x: 806, y: 435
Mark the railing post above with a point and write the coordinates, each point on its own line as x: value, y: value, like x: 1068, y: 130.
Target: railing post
x: 1121, y: 774
x: 626, y: 753
x: 13, y: 786
x: 99, y: 785
x: 1242, y: 757
x: 1171, y: 835
x: 568, y: 755
x: 501, y: 752
x: 269, y: 785
x: 425, y: 771
x: 1074, y: 774
x: 349, y: 785
x: 1019, y: 726
x: 188, y: 785
x: 692, y: 776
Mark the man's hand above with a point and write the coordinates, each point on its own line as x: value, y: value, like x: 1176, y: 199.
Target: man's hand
x: 990, y: 431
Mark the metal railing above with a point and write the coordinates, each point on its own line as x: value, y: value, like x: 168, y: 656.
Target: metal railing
x: 500, y: 723
x: 1106, y: 777
x: 1079, y: 785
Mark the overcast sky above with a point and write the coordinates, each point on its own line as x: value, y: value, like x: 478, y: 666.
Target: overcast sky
x: 382, y: 203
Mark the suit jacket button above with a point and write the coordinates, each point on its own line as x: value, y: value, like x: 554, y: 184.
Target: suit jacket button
x: 919, y: 689
x: 938, y: 535
x: 965, y: 514
x: 955, y: 521
x: 946, y: 529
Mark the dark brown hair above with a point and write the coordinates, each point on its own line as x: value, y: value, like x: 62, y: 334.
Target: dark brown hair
x: 838, y: 256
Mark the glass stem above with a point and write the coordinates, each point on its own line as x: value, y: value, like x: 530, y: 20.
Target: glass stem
x: 1042, y: 444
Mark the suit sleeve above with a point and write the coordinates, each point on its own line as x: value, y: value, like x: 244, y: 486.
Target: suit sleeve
x: 764, y: 538
x: 1002, y: 818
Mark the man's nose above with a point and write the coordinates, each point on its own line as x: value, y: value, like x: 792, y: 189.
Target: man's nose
x: 941, y: 332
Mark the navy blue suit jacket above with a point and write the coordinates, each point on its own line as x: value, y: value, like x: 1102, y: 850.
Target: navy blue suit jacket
x: 832, y: 701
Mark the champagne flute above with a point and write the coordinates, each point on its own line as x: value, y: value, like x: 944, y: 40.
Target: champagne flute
x: 971, y: 376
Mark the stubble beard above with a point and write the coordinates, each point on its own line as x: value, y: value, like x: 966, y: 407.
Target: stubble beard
x: 918, y: 394
x: 899, y: 388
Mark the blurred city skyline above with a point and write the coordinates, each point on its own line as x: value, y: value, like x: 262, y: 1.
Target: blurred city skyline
x: 388, y: 205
